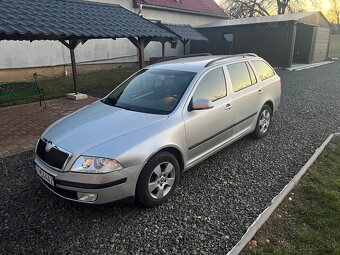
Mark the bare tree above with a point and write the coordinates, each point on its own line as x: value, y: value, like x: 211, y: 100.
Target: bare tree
x: 247, y: 8
x: 335, y: 11
x: 282, y: 6
x: 251, y: 8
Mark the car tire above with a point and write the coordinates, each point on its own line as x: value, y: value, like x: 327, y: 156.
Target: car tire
x: 158, y: 179
x: 263, y: 122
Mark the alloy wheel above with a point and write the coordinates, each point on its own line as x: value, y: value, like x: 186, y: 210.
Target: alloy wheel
x: 161, y: 180
x: 264, y: 121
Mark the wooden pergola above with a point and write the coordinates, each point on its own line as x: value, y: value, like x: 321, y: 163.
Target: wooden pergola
x: 184, y: 33
x: 74, y: 22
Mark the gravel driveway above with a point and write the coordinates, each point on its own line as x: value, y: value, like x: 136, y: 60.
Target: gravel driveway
x: 214, y: 204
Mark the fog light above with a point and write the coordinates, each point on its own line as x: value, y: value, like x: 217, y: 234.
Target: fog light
x: 87, y: 197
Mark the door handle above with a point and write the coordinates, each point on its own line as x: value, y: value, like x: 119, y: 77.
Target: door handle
x: 228, y: 107
x: 260, y: 91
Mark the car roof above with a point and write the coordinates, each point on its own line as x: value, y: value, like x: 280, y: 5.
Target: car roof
x: 198, y: 64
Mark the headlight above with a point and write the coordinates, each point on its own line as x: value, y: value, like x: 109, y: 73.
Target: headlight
x: 95, y: 165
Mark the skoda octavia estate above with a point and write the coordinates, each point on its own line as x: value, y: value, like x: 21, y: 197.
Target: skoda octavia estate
x: 136, y: 141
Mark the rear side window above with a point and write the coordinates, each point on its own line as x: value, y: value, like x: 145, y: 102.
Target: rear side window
x: 264, y: 70
x: 212, y: 86
x: 239, y: 75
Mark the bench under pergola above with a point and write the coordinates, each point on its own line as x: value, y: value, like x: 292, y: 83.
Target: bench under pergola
x: 72, y: 22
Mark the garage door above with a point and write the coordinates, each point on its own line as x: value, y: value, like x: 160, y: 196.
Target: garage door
x: 321, y: 44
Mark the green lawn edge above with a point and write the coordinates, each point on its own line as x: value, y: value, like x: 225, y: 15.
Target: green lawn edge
x: 312, y: 223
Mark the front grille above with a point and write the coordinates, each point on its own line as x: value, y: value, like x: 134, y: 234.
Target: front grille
x: 55, y: 158
x: 62, y: 192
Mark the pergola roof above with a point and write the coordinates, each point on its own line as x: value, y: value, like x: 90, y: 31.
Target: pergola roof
x: 72, y: 19
x: 184, y: 32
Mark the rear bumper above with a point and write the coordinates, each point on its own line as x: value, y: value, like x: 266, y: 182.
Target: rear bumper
x: 277, y: 104
x: 108, y: 187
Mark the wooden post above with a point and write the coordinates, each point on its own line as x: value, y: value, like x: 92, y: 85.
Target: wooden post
x: 141, y: 53
x: 184, y: 44
x: 163, y: 48
x: 74, y: 71
x: 71, y: 45
x: 140, y: 43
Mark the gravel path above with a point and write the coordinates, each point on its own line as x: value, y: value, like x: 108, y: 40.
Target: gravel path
x: 215, y: 202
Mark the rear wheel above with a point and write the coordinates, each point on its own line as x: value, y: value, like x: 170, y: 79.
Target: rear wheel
x: 263, y: 122
x: 158, y: 179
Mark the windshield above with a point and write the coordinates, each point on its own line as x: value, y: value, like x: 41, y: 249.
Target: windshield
x: 153, y: 91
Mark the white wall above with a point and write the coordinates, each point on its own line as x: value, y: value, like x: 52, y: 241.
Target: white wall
x: 14, y: 54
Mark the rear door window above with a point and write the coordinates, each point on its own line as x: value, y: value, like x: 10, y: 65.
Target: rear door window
x: 212, y: 86
x: 240, y: 76
x: 264, y: 70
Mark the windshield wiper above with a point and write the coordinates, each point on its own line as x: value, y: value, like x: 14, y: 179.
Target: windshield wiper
x: 111, y: 102
x: 108, y: 101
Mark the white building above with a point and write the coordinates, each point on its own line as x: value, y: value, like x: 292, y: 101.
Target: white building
x: 19, y: 60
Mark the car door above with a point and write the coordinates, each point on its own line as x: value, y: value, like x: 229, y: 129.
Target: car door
x: 207, y: 129
x: 247, y: 93
x: 270, y: 82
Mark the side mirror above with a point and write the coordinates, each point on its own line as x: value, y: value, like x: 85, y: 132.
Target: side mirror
x: 202, y: 104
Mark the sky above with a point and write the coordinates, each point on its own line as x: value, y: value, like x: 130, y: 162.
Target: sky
x: 218, y: 1
x: 325, y: 5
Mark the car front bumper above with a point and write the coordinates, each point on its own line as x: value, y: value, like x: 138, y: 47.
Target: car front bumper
x: 108, y: 187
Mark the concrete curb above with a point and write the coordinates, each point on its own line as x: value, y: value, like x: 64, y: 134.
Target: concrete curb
x: 276, y: 201
x: 308, y: 66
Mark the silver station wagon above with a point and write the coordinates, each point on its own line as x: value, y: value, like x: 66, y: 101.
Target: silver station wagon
x: 136, y: 142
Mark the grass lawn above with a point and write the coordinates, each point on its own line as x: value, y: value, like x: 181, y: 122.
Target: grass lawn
x: 334, y: 50
x: 97, y: 84
x: 309, y: 223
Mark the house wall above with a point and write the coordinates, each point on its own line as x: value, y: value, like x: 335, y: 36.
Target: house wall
x: 272, y: 41
x: 44, y: 56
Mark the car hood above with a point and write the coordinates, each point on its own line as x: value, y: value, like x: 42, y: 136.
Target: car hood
x: 96, y: 124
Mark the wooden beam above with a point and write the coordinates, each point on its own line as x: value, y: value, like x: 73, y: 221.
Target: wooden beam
x: 147, y: 41
x: 134, y: 42
x: 74, y: 43
x: 65, y: 43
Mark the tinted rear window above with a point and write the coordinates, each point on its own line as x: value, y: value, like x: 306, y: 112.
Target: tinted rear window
x: 264, y: 70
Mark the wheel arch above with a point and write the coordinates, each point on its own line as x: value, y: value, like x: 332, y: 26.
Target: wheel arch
x: 270, y: 104
x: 174, y: 151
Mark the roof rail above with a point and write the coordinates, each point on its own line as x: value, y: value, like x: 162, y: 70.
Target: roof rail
x: 185, y: 56
x: 230, y: 56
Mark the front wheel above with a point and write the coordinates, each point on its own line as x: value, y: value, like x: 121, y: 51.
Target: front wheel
x: 263, y: 122
x: 158, y: 179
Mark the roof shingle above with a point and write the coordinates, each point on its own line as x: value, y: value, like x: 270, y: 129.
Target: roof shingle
x: 185, y: 32
x: 69, y: 19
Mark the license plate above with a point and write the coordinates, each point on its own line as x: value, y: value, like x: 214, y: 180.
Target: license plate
x: 45, y: 176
